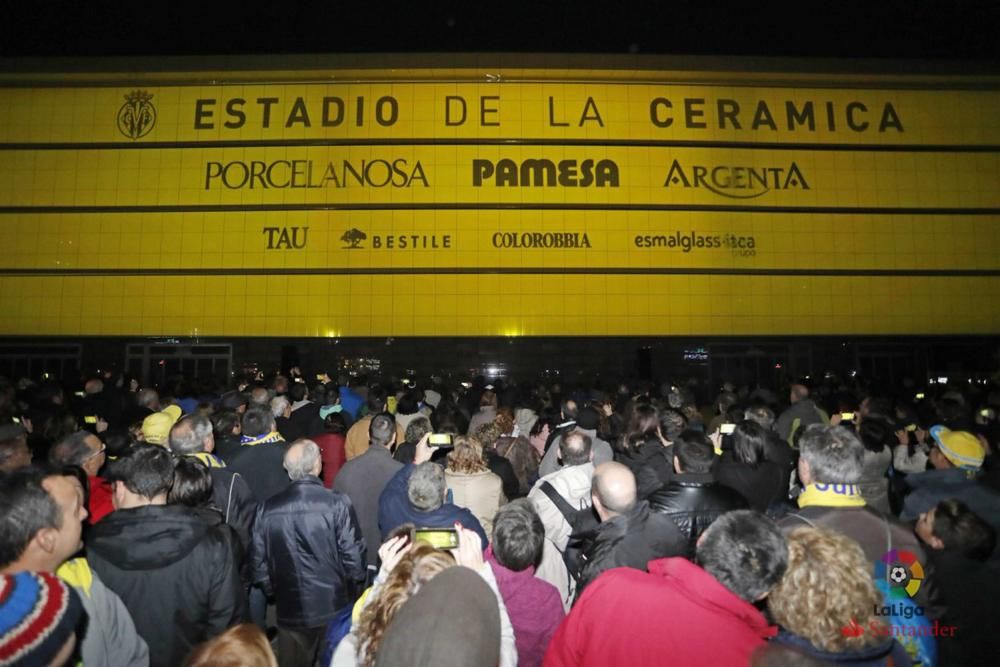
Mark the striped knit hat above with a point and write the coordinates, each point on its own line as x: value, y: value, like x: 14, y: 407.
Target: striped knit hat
x: 962, y: 448
x: 38, y: 613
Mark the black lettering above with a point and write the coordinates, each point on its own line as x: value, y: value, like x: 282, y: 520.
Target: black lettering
x: 699, y: 175
x: 209, y: 175
x: 270, y: 175
x: 359, y: 114
x: 296, y: 243
x: 383, y: 119
x: 533, y: 171
x: 234, y: 109
x: 851, y: 122
x: 203, y: 115
x: 763, y: 117
x: 270, y: 231
x: 591, y: 106
x: 805, y: 115
x: 266, y: 103
x: 890, y: 119
x: 483, y: 110
x: 654, y: 116
x: 257, y: 168
x: 552, y: 114
x: 333, y: 102
x: 831, y: 123
x: 729, y: 110
x: 299, y: 114
x: 481, y: 169
x: 691, y: 113
x: 418, y: 174
x: 448, y: 107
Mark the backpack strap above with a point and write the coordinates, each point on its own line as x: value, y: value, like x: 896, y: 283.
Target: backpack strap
x: 229, y: 500
x: 567, y: 510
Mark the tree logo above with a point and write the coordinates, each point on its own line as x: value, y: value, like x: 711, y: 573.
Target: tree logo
x: 902, y: 571
x: 137, y: 116
x: 352, y: 238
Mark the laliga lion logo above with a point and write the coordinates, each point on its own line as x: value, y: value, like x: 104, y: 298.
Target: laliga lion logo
x: 138, y: 115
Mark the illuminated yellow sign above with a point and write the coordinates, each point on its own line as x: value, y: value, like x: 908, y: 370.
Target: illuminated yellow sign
x: 530, y: 202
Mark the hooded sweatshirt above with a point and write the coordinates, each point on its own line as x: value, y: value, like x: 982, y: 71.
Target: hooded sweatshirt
x: 175, y: 569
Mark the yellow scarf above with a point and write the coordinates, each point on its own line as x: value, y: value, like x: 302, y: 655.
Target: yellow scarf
x: 832, y: 495
x: 210, y: 460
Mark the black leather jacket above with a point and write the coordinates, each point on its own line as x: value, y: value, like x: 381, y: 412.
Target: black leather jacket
x: 694, y: 501
x: 307, y: 549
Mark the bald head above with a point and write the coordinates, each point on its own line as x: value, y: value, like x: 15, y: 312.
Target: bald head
x: 613, y: 490
x: 302, y: 460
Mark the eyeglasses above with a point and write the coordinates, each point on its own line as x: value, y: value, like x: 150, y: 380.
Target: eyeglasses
x: 97, y: 453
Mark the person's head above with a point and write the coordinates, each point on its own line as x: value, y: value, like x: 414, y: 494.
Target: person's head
x: 409, y: 402
x: 14, y: 450
x: 257, y: 423
x: 298, y: 392
x: 672, y: 423
x: 192, y: 434
x: 467, y: 456
x: 588, y: 419
x: 39, y: 618
x: 280, y: 385
x: 798, y: 392
x: 192, y: 485
x: 830, y: 455
x: 226, y: 424
x: 376, y: 400
x: 41, y: 519
x: 142, y: 477
x: 280, y: 407
x: 518, y: 535
x: 876, y: 433
x: 417, y: 566
x: 382, y: 430
x: 243, y: 645
x: 148, y: 398
x: 83, y: 449
x: 417, y: 429
x: 750, y: 442
x: 568, y: 409
x: 488, y: 399
x: 575, y: 448
x: 956, y: 449
x: 725, y: 402
x: 335, y: 423
x: 760, y: 414
x: 952, y: 526
x: 827, y: 586
x: 260, y: 397
x: 488, y: 434
x: 644, y: 420
x: 303, y: 460
x: 427, y: 487
x: 745, y: 552
x: 613, y: 490
x: 693, y: 452
x: 156, y: 427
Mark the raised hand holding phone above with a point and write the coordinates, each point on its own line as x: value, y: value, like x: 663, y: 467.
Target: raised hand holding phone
x: 470, y: 548
x: 391, y: 552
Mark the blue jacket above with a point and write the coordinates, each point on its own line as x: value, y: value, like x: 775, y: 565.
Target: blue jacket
x: 394, y: 509
x: 351, y: 402
x: 931, y: 487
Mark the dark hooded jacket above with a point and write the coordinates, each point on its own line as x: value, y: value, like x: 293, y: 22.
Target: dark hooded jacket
x: 631, y: 540
x: 175, y: 568
x: 651, y: 463
x: 694, y: 500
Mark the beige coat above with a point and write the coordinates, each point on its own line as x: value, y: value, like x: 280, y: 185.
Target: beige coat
x: 481, y: 493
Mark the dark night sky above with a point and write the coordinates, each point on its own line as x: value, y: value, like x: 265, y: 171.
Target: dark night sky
x: 872, y: 29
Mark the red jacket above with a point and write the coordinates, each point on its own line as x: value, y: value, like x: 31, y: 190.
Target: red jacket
x: 100, y: 504
x: 677, y: 614
x: 331, y: 449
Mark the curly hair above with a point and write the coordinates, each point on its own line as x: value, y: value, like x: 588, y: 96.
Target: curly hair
x: 467, y: 456
x: 487, y: 434
x: 418, y: 566
x: 504, y: 421
x: 828, y: 584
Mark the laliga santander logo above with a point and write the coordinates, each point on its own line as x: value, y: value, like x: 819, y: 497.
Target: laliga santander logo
x: 902, y: 571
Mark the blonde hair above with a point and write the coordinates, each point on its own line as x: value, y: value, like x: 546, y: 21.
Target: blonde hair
x: 467, y: 457
x: 827, y: 586
x: 240, y: 646
x: 418, y: 566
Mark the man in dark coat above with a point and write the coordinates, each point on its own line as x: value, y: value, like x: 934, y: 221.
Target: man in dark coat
x: 308, y: 552
x: 262, y: 450
x: 363, y: 479
x: 693, y: 499
x: 173, y: 566
x: 629, y: 534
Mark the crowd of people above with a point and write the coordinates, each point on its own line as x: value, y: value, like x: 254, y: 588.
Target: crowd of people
x: 357, y: 521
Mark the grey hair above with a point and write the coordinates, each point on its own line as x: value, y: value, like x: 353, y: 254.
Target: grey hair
x: 834, y: 454
x: 575, y: 448
x: 189, y: 434
x: 147, y: 397
x: 302, y: 466
x: 427, y: 487
x: 71, y: 450
x: 745, y: 552
x: 278, y: 406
